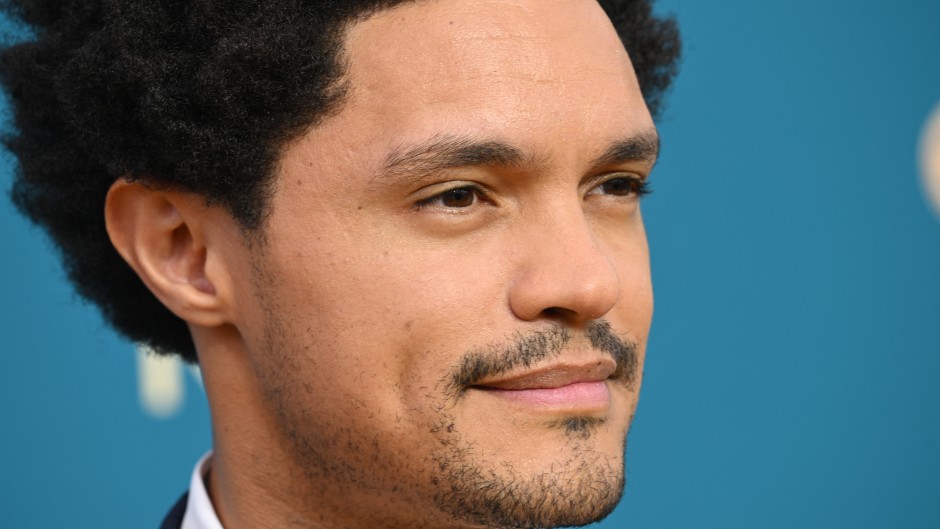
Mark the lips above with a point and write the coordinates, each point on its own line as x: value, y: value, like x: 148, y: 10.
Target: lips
x: 553, y: 376
x: 559, y: 385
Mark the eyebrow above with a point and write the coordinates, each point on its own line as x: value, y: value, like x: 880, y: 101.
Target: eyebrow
x: 447, y: 152
x: 641, y: 147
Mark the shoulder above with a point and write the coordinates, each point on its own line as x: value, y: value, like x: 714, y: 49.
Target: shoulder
x: 174, y: 518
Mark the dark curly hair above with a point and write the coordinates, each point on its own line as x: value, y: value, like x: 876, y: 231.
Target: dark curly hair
x: 197, y: 95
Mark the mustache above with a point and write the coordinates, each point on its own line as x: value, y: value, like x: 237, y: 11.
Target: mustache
x: 527, y: 349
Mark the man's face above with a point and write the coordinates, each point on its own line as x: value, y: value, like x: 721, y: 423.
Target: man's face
x: 449, y: 311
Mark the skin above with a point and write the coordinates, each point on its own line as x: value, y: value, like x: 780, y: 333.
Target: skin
x: 329, y: 341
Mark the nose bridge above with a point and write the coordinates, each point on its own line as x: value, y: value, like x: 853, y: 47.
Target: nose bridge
x: 563, y: 270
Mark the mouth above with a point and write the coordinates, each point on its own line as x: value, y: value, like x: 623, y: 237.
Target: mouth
x: 581, y: 387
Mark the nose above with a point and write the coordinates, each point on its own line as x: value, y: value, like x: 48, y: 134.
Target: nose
x: 563, y: 273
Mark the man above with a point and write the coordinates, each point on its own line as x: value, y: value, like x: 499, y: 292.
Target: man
x: 402, y: 239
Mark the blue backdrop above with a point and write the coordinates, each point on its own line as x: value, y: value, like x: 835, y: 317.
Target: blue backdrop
x: 792, y: 377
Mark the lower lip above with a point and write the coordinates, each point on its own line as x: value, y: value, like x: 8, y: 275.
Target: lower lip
x: 579, y: 395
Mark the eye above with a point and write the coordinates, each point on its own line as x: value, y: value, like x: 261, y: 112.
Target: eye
x: 623, y: 186
x: 455, y: 198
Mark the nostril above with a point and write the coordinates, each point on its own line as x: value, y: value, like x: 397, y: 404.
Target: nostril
x: 557, y: 313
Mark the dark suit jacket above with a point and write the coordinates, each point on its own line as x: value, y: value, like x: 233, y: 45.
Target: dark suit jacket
x: 174, y: 519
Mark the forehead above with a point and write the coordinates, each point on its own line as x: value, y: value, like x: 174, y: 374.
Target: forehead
x: 463, y: 40
x: 551, y: 72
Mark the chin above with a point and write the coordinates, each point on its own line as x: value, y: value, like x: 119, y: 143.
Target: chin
x: 550, y: 500
x: 578, y: 482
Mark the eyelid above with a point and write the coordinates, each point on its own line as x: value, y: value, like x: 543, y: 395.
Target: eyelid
x: 438, y: 190
x: 642, y: 182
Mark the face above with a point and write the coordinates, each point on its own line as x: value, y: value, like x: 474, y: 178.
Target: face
x: 449, y: 310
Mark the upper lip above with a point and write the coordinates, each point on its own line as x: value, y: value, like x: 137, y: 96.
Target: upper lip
x: 553, y: 376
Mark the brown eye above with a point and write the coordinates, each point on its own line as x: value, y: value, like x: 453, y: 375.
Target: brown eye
x: 621, y: 187
x: 462, y: 197
x: 466, y: 197
x: 455, y: 198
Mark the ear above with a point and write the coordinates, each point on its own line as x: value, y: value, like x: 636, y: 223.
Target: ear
x: 166, y: 236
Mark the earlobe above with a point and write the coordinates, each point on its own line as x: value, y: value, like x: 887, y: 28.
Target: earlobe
x: 162, y: 236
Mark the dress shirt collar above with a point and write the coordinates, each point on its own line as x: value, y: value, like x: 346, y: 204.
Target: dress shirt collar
x: 199, y: 511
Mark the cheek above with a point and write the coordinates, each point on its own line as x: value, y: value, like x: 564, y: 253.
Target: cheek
x: 393, y: 316
x: 630, y: 256
x: 636, y: 297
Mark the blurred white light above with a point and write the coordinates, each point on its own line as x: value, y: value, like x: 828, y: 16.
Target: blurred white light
x: 196, y: 373
x: 160, y: 383
x: 930, y: 158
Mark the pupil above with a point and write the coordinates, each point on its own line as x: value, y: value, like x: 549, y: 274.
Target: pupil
x: 458, y: 198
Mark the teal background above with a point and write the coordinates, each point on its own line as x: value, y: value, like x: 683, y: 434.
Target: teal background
x: 792, y: 377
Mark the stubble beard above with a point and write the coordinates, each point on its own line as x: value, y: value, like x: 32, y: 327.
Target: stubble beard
x: 580, y: 490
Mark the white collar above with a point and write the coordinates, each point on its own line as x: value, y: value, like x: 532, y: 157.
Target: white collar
x: 199, y: 511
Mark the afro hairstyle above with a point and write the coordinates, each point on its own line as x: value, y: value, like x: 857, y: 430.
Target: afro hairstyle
x: 196, y: 95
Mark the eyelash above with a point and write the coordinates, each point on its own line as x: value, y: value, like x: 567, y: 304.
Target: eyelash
x: 640, y: 186
x: 478, y: 194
